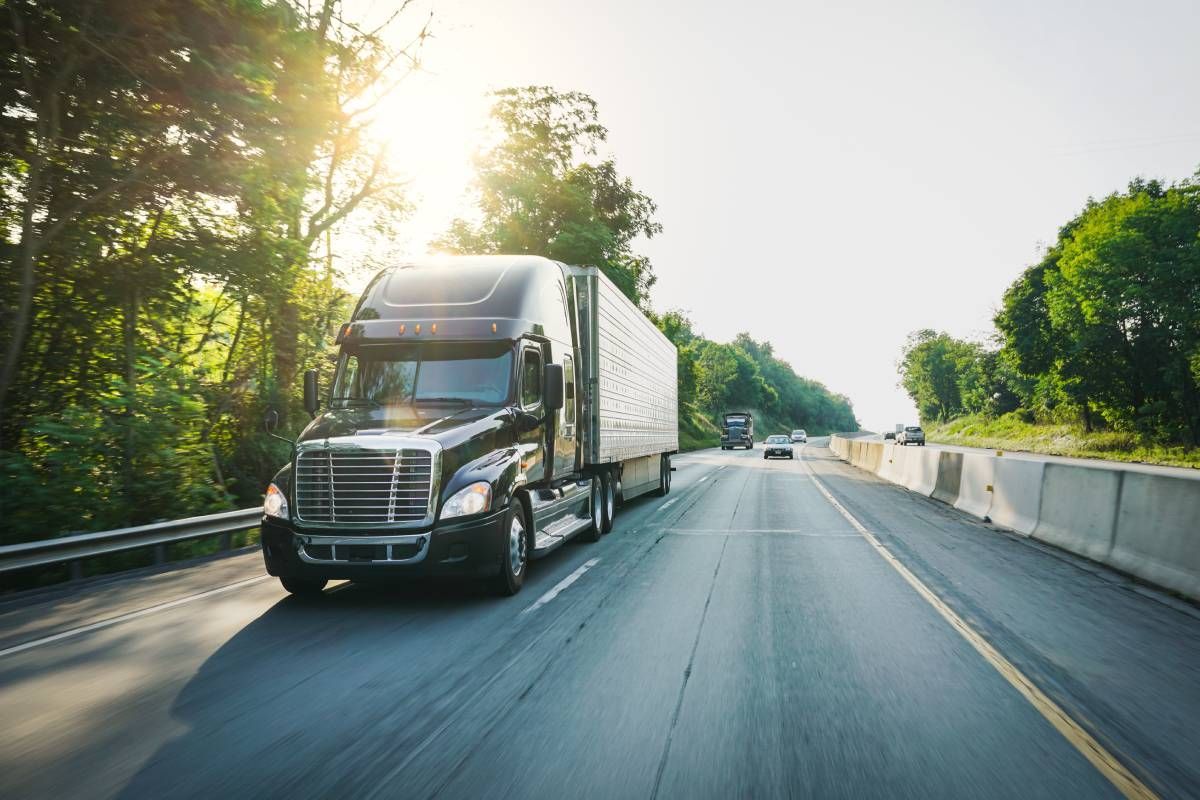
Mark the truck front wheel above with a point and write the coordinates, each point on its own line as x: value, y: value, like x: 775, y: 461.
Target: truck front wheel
x: 304, y: 587
x: 514, y: 550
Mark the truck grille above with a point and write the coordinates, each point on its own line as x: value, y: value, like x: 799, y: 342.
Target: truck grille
x: 359, y: 485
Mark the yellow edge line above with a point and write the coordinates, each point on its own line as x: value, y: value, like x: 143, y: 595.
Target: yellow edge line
x: 1108, y: 765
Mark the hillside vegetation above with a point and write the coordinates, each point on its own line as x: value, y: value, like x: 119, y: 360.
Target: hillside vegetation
x: 745, y: 375
x: 1098, y: 345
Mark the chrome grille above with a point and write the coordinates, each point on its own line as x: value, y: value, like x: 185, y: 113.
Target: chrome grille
x: 363, y: 485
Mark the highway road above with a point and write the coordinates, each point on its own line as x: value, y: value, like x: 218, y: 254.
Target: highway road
x: 769, y: 629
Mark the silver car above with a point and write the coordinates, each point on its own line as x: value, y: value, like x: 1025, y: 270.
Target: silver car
x: 800, y: 436
x: 778, y: 446
x: 912, y: 434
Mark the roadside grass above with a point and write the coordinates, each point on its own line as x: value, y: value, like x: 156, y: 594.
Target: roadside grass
x: 696, y: 430
x: 1010, y: 432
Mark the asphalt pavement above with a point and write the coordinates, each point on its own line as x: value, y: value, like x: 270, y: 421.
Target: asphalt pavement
x: 785, y: 628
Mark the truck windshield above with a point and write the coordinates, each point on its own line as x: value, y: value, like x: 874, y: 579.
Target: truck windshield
x: 468, y: 374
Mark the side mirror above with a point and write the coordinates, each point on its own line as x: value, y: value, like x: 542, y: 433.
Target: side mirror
x: 552, y: 381
x: 271, y: 420
x: 311, y: 404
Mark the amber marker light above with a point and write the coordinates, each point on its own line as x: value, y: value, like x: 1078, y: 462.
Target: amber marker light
x: 433, y: 328
x: 401, y: 328
x: 493, y: 327
x: 417, y: 328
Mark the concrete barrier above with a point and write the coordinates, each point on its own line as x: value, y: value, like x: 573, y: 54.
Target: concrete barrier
x: 949, y: 475
x: 874, y: 456
x: 976, y: 485
x: 1079, y: 509
x: 920, y: 470
x: 891, y: 466
x: 1158, y: 531
x: 1017, y: 495
x: 1143, y: 523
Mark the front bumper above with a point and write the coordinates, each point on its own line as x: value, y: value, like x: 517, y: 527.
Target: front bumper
x: 468, y: 547
x: 779, y: 451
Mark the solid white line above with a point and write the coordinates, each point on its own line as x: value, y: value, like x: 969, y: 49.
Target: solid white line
x: 1105, y: 762
x: 126, y: 617
x: 563, y: 584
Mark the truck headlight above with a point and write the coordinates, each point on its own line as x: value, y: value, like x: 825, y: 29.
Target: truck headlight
x: 275, y: 503
x: 473, y: 499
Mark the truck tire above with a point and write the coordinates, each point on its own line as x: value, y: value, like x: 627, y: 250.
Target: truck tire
x: 664, y: 477
x: 596, y: 511
x: 514, y: 550
x: 609, y: 506
x: 304, y: 587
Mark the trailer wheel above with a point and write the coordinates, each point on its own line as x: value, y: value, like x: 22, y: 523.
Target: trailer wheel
x: 596, y: 511
x: 664, y: 477
x: 609, y: 507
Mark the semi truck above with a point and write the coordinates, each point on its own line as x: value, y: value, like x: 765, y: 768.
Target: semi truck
x: 737, y: 430
x: 483, y: 411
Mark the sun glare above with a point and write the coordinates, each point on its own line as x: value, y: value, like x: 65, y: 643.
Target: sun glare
x: 432, y: 129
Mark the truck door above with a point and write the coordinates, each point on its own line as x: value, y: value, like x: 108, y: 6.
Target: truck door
x: 564, y: 431
x: 532, y: 443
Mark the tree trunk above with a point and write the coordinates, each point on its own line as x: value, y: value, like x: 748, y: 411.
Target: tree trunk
x: 26, y: 264
x: 130, y: 310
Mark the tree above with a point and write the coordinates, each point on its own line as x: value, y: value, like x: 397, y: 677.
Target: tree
x: 1110, y: 319
x: 538, y: 195
x: 113, y: 117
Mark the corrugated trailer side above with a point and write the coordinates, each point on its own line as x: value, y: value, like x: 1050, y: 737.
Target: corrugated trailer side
x: 630, y: 373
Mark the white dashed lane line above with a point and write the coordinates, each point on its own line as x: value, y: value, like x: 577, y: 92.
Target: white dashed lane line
x: 561, y: 585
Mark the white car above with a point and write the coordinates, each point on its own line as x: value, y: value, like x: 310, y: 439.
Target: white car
x: 800, y: 436
x: 778, y: 445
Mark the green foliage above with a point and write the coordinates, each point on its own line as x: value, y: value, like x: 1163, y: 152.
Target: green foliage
x: 1019, y: 432
x: 1107, y: 325
x: 170, y: 184
x: 537, y: 194
x: 745, y: 375
x: 135, y: 456
x: 1103, y: 333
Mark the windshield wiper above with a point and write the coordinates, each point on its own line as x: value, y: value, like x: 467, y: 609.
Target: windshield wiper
x: 463, y: 401
x: 356, y: 401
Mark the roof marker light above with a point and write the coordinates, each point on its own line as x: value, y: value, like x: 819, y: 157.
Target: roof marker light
x: 401, y: 328
x: 493, y: 327
x: 433, y: 328
x: 417, y: 328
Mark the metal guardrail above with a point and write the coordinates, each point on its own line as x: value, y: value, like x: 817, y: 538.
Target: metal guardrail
x: 72, y: 549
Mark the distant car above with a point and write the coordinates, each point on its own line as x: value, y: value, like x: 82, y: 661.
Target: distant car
x: 912, y: 434
x: 800, y: 436
x: 889, y: 435
x: 778, y: 445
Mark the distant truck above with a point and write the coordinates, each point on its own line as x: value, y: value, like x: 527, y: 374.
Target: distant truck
x: 484, y: 410
x: 737, y: 430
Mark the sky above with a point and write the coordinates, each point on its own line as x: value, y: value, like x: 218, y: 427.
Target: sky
x: 829, y: 176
